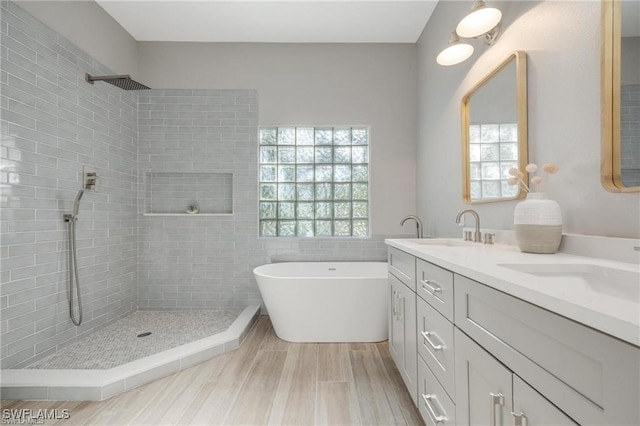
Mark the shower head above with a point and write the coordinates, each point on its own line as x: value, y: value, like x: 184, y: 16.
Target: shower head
x: 76, y: 203
x: 122, y: 81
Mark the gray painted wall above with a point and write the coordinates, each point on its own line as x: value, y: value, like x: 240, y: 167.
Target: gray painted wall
x: 564, y: 116
x: 53, y: 124
x: 316, y: 84
x: 91, y: 28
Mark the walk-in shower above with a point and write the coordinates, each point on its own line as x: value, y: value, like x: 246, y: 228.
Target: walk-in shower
x: 195, y: 309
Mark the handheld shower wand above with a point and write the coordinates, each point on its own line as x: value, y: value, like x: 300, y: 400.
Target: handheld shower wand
x: 76, y: 204
x: 71, y: 220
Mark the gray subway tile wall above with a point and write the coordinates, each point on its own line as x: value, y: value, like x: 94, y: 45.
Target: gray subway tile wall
x: 630, y: 133
x: 193, y: 261
x: 53, y: 124
x: 193, y: 193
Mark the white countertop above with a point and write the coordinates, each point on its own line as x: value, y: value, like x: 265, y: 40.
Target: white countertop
x: 615, y: 316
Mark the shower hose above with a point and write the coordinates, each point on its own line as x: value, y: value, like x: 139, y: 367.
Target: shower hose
x: 74, y: 280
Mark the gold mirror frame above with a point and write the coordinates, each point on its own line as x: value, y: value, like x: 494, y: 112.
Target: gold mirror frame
x: 520, y: 59
x: 611, y: 170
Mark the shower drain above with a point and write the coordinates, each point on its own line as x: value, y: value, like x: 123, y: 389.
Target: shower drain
x: 145, y: 334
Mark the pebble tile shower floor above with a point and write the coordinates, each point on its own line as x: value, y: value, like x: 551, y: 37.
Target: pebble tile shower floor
x: 118, y: 343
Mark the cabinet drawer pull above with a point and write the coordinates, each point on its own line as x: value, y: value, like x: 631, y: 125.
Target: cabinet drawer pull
x: 519, y: 419
x: 427, y: 336
x: 431, y: 286
x: 427, y: 402
x: 494, y: 399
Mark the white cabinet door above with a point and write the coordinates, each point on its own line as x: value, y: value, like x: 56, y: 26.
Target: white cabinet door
x: 396, y: 328
x: 407, y: 320
x: 483, y: 386
x: 532, y: 409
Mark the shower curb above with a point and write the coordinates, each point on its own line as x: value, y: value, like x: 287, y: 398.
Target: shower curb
x: 98, y: 385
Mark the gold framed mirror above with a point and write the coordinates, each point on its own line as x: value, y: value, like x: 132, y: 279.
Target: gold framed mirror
x: 494, y: 132
x: 620, y: 163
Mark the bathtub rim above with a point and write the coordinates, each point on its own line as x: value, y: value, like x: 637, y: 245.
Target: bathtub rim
x: 257, y: 271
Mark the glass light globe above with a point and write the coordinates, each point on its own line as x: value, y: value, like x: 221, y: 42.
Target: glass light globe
x: 455, y: 53
x: 479, y: 21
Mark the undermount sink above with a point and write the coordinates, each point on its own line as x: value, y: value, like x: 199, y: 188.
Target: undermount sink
x: 438, y: 242
x: 613, y: 282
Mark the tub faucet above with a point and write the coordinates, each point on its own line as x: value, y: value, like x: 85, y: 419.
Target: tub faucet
x: 419, y: 226
x: 477, y: 236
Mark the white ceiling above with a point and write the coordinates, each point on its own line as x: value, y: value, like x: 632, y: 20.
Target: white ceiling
x: 290, y: 21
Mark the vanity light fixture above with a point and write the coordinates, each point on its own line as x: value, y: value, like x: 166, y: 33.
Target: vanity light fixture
x: 455, y: 52
x: 481, y: 21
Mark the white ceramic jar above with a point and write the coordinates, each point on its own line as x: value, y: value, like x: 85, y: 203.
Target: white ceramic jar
x: 538, y: 224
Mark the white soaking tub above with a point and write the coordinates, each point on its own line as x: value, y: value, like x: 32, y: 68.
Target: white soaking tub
x: 326, y: 301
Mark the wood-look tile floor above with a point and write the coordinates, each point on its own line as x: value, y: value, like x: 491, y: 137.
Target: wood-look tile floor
x: 265, y: 382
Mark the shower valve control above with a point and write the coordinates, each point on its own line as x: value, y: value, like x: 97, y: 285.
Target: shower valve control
x: 90, y: 178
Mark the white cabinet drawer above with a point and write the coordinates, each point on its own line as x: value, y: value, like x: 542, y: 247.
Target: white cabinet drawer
x: 435, y: 406
x: 435, y: 345
x: 593, y: 377
x: 403, y: 266
x: 435, y: 285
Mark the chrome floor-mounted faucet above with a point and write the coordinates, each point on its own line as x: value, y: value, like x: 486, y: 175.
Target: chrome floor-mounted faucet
x: 419, y: 226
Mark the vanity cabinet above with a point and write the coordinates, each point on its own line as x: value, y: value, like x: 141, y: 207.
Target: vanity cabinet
x: 490, y: 394
x: 485, y: 357
x: 592, y: 377
x: 402, y: 318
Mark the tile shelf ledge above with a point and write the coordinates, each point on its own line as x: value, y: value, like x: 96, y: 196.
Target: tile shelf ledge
x: 187, y: 214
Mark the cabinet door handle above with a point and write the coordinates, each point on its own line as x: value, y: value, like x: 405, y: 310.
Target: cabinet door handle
x: 400, y: 307
x: 427, y: 336
x: 494, y: 399
x: 519, y: 419
x: 394, y: 312
x: 431, y: 286
x: 438, y: 418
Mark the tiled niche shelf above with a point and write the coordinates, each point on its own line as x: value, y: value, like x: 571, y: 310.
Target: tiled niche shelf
x: 172, y: 193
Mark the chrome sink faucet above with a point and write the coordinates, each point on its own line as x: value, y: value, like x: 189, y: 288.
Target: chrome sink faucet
x: 477, y: 235
x: 419, y: 226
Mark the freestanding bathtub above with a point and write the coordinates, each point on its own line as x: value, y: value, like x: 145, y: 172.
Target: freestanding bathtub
x: 326, y: 301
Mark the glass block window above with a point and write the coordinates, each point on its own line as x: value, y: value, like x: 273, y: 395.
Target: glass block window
x: 493, y: 150
x: 314, y: 181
